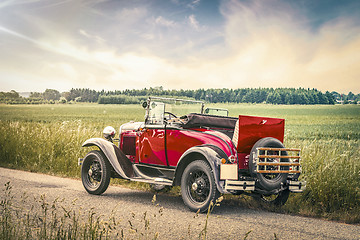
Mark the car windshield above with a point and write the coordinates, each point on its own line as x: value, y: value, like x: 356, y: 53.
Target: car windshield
x: 156, y: 113
x: 159, y: 108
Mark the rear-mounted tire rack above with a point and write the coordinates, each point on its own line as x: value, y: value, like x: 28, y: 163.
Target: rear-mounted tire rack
x: 270, y: 160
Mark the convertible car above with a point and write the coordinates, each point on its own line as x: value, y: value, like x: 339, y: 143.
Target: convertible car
x: 204, y: 151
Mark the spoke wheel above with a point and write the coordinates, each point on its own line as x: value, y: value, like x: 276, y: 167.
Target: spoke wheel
x: 160, y: 187
x: 95, y: 172
x: 198, y: 186
x: 278, y: 199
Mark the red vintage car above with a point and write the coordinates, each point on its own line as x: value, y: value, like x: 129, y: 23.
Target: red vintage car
x: 206, y: 153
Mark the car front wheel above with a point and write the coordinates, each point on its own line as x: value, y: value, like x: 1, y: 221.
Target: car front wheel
x: 95, y: 172
x: 198, y: 188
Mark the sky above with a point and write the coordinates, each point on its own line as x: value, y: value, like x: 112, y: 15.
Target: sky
x: 179, y: 44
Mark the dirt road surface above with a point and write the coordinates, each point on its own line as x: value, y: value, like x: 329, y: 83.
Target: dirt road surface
x: 177, y: 222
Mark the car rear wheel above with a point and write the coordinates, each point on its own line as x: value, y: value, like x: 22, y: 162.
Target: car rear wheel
x: 95, y: 173
x: 198, y: 188
x: 278, y: 199
x: 268, y: 181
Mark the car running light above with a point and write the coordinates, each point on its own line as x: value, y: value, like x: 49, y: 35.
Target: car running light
x: 232, y: 158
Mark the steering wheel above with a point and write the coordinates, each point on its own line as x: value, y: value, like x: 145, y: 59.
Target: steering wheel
x: 170, y: 114
x: 175, y: 119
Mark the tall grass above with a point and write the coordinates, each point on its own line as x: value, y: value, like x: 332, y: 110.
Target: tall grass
x: 48, y: 138
x: 48, y: 148
x: 332, y: 171
x: 56, y: 219
x: 40, y: 218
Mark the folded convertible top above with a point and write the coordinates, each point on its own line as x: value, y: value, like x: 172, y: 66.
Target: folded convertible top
x: 202, y: 120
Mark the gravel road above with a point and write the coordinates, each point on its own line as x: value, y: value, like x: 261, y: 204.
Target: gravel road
x: 177, y: 222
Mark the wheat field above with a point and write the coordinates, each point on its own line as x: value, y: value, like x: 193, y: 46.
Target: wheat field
x: 48, y: 138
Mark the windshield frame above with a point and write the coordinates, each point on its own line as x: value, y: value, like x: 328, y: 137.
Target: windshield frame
x: 150, y: 100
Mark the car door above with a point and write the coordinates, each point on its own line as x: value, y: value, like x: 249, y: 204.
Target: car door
x: 152, y: 140
x: 152, y: 146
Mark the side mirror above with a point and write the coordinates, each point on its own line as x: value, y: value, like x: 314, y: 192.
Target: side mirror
x: 144, y: 104
x: 109, y: 132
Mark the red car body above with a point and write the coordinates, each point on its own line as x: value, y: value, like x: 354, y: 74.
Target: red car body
x: 164, y: 147
x: 205, y: 154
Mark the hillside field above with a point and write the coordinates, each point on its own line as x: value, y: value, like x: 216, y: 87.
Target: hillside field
x: 48, y: 138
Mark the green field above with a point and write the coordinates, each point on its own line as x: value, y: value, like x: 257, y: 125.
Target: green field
x: 48, y: 138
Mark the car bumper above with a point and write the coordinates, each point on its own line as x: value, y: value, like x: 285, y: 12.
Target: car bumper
x: 239, y: 185
x: 296, y: 186
x: 233, y: 185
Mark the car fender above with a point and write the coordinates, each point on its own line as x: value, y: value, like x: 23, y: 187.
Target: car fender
x: 116, y: 157
x: 211, y: 154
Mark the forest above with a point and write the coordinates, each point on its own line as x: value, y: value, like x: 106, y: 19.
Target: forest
x: 288, y: 96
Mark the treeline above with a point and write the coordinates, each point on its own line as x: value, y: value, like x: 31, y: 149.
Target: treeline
x: 120, y: 99
x: 244, y: 95
x: 287, y: 96
x: 14, y: 97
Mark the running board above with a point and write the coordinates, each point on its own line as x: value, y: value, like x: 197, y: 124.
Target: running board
x: 141, y: 177
x: 161, y: 181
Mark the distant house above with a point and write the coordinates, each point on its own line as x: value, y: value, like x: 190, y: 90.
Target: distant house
x: 24, y: 94
x: 339, y: 101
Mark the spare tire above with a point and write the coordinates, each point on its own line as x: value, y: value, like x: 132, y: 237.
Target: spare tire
x: 268, y: 181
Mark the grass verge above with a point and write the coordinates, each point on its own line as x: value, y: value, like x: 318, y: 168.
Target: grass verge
x: 43, y: 219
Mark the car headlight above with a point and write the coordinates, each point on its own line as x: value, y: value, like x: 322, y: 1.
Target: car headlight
x: 109, y: 132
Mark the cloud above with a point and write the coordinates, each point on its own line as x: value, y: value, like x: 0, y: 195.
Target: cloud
x: 193, y: 4
x: 272, y: 48
x: 193, y: 22
x: 16, y: 34
x: 164, y: 22
x: 260, y: 44
x: 98, y: 39
x: 130, y: 16
x: 7, y: 3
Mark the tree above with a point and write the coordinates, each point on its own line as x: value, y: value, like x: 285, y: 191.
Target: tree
x: 330, y: 97
x: 36, y: 95
x: 270, y: 98
x: 350, y: 96
x: 249, y: 97
x: 13, y: 94
x: 66, y: 95
x: 277, y: 98
x: 51, y: 94
x: 322, y: 98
